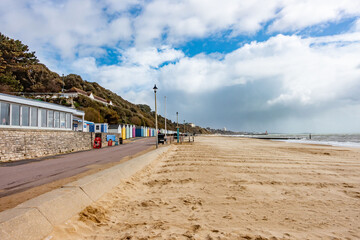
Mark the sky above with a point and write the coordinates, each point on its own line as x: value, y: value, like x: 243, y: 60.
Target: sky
x: 282, y: 66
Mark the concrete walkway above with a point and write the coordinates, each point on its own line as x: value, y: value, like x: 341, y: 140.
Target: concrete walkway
x: 22, y: 175
x: 36, y: 218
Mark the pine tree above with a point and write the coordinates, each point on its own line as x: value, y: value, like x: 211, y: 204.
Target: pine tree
x: 15, y: 58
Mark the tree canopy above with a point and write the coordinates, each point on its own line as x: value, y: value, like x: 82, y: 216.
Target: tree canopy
x: 20, y: 69
x: 14, y: 58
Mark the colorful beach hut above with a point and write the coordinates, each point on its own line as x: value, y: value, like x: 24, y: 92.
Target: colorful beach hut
x: 134, y: 131
x: 138, y: 132
x: 123, y: 131
x: 127, y: 131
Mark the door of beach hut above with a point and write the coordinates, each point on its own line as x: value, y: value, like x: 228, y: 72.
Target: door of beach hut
x: 137, y: 132
x: 123, y: 132
x: 127, y: 131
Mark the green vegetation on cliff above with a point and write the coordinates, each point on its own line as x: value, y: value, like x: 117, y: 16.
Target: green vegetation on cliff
x: 21, y: 73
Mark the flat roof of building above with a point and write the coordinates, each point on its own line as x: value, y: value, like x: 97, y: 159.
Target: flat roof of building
x: 41, y: 104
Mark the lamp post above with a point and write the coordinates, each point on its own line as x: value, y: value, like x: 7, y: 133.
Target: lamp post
x: 184, y: 127
x: 63, y: 78
x: 165, y: 117
x: 156, y: 125
x: 177, y: 126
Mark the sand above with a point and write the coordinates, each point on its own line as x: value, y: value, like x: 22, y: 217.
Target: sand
x: 231, y: 188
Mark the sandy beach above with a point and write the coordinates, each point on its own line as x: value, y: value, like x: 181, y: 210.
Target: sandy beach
x: 231, y: 188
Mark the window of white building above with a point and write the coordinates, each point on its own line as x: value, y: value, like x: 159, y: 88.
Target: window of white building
x: 68, y: 120
x: 57, y: 119
x: 15, y: 114
x: 25, y: 111
x: 62, y: 120
x: 5, y: 113
x: 33, y: 117
x: 50, y: 120
x: 43, y: 117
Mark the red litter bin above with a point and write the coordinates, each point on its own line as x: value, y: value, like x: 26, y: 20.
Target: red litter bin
x: 97, y: 142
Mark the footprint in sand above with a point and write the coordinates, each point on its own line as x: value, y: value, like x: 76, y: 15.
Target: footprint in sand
x: 228, y: 216
x: 191, y: 200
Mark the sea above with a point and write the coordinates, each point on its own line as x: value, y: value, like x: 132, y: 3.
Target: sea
x: 339, y: 140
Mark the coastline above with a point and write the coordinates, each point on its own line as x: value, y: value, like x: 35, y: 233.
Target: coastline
x: 335, y: 140
x: 222, y: 187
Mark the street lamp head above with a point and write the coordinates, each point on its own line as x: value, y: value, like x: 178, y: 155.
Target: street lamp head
x: 155, y: 88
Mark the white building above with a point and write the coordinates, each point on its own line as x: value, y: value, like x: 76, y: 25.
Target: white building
x: 19, y: 112
x: 75, y: 92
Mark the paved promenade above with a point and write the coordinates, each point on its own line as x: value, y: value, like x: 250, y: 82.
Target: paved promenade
x: 19, y: 176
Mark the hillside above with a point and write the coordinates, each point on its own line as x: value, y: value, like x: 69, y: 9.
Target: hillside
x: 22, y: 74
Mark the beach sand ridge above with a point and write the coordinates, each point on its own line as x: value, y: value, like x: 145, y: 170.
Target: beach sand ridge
x: 231, y: 188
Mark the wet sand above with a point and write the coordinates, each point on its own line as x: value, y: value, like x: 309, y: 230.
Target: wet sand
x: 231, y: 188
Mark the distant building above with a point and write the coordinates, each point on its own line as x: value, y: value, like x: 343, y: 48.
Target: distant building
x: 115, y: 128
x: 75, y: 92
x: 20, y: 112
x: 79, y: 126
x: 98, y: 99
x: 101, y: 128
x: 192, y: 124
x: 224, y: 129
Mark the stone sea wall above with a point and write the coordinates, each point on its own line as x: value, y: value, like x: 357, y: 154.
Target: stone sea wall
x: 16, y: 144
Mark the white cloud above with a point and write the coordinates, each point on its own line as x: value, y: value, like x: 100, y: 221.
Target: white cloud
x: 312, y: 71
x: 72, y: 36
x: 86, y: 65
x: 114, y: 6
x: 296, y: 15
x: 193, y: 75
x: 125, y: 78
x: 137, y: 71
x: 181, y: 20
x: 65, y: 26
x: 356, y: 26
x: 309, y: 74
x: 151, y: 56
x: 68, y: 25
